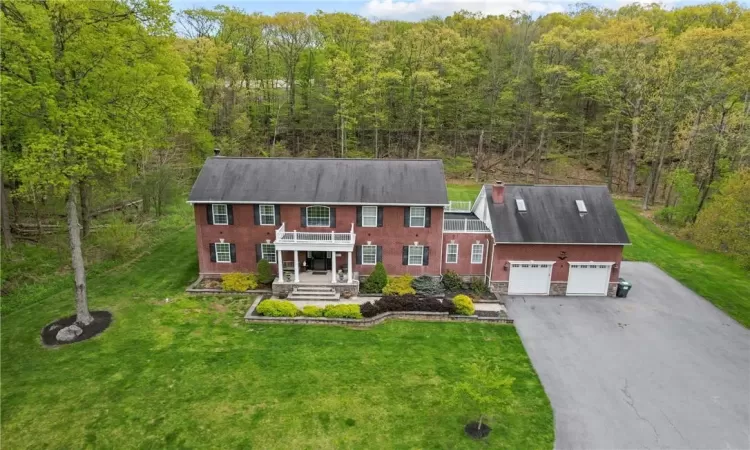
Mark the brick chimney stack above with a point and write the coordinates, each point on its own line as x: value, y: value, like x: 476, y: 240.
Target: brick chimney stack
x: 498, y: 193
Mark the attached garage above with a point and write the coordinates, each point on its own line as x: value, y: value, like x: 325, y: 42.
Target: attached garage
x: 590, y: 278
x: 529, y: 278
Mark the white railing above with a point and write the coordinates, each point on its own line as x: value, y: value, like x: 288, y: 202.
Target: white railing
x: 464, y: 226
x: 331, y: 237
x: 458, y: 206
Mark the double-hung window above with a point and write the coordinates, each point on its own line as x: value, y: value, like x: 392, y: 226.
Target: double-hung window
x: 417, y: 216
x: 318, y: 216
x: 369, y: 254
x: 223, y: 252
x: 451, y: 254
x: 220, y: 214
x: 369, y: 216
x: 267, y: 215
x: 416, y: 255
x: 268, y: 252
x: 477, y: 253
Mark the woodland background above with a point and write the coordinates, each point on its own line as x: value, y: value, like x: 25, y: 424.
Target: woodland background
x: 113, y: 106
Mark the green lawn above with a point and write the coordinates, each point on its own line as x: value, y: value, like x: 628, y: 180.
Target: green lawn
x: 463, y: 192
x: 714, y: 276
x: 190, y: 373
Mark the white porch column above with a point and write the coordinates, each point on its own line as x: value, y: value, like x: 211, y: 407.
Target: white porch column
x: 349, y: 272
x: 333, y: 267
x: 280, y: 265
x: 296, y: 266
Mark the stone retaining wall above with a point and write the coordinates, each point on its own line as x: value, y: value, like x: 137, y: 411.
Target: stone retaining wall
x: 380, y: 318
x: 556, y: 288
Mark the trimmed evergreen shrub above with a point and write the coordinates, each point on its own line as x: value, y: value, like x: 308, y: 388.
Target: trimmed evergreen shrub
x: 265, y: 273
x: 277, y: 308
x: 368, y: 309
x: 479, y: 287
x: 399, y: 285
x: 346, y: 311
x: 463, y: 305
x: 238, y: 282
x: 452, y: 282
x: 426, y: 285
x: 312, y: 311
x: 376, y: 281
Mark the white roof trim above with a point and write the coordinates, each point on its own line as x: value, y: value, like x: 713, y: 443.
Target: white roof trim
x: 231, y: 202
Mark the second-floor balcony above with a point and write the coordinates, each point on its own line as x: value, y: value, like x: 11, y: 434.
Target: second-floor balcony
x: 314, y: 240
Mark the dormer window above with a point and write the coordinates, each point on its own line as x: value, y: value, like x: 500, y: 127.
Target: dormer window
x: 581, y: 206
x: 520, y: 205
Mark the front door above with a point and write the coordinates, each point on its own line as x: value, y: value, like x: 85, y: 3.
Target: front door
x: 320, y: 260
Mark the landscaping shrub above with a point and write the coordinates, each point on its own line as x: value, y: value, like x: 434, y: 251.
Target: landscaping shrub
x: 426, y: 285
x: 346, y: 311
x: 265, y: 273
x: 277, y: 308
x: 376, y: 281
x: 409, y: 302
x: 452, y: 282
x: 238, y: 282
x: 463, y: 305
x: 312, y: 311
x: 399, y: 286
x: 479, y: 287
x: 117, y: 239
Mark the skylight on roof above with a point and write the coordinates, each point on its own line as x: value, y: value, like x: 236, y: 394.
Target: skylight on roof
x: 521, y: 205
x: 581, y: 206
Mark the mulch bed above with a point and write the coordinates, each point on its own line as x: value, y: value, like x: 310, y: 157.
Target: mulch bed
x: 477, y: 433
x: 102, y: 321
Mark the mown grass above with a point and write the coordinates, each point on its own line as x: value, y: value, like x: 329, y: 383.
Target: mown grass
x: 463, y: 192
x: 714, y: 276
x: 189, y: 373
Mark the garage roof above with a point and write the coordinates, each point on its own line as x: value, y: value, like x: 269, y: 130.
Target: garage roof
x: 552, y: 216
x: 320, y: 180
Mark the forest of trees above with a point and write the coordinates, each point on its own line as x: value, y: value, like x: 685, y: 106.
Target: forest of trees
x: 130, y: 96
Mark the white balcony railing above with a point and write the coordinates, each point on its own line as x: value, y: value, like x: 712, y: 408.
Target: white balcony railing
x: 464, y: 226
x: 458, y: 206
x: 311, y: 237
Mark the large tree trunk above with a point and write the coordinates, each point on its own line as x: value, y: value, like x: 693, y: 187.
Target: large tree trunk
x: 611, y: 155
x: 538, y: 155
x: 83, y: 317
x: 479, y: 158
x: 376, y: 142
x: 652, y: 172
x: 419, y: 136
x: 5, y: 217
x: 633, y: 152
x: 712, y: 162
x: 83, y: 189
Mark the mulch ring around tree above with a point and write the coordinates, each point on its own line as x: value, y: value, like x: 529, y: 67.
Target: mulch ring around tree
x: 477, y: 432
x: 102, y: 321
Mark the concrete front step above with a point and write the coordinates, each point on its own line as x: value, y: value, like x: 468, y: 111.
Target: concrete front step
x: 325, y: 296
x: 313, y: 289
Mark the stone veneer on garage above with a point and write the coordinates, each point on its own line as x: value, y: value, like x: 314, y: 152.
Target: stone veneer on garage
x: 556, y: 288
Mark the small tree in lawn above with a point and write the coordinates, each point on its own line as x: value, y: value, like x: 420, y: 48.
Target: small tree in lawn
x: 265, y: 274
x: 486, y: 389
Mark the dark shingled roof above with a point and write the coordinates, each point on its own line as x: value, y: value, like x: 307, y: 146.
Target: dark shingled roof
x: 321, y: 180
x: 552, y: 216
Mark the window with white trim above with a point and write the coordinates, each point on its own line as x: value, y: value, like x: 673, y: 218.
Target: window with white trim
x: 220, y: 214
x: 451, y: 254
x: 369, y: 216
x: 268, y: 252
x: 416, y: 255
x: 369, y: 255
x: 417, y: 216
x: 223, y: 252
x: 267, y: 215
x: 477, y: 253
x: 318, y: 216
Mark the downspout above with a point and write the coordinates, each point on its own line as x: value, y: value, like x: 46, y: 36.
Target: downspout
x: 442, y: 243
x: 492, y: 262
x: 487, y: 255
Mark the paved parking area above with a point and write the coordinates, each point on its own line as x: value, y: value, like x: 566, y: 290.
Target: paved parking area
x: 662, y: 368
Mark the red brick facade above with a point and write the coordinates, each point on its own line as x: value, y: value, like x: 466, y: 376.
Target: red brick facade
x: 543, y: 252
x: 465, y: 241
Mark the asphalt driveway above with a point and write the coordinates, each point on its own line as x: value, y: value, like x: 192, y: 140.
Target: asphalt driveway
x: 662, y: 368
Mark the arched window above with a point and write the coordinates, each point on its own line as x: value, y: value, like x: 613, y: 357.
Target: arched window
x: 318, y: 216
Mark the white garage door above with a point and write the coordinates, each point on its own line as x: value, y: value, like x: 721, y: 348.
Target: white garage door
x: 529, y: 278
x: 588, y: 278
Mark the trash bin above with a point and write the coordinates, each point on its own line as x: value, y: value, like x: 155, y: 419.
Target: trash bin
x: 623, y: 287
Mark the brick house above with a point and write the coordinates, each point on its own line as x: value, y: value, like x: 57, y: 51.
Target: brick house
x: 327, y: 222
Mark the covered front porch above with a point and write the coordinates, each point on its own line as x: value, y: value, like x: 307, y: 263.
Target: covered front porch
x: 320, y: 259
